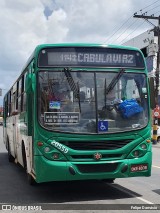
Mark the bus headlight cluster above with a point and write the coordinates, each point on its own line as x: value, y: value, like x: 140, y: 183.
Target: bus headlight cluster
x: 139, y: 151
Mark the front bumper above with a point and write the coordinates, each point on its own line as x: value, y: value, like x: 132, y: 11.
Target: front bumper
x: 46, y: 170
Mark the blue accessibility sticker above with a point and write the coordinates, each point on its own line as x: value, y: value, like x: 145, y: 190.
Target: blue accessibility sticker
x: 102, y: 126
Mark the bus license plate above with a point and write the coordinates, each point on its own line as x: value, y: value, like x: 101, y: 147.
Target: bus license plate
x: 139, y: 167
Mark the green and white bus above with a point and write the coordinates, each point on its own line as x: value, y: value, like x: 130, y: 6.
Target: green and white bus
x: 79, y: 112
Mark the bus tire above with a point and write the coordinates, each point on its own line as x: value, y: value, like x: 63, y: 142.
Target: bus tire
x: 30, y: 179
x: 109, y: 180
x: 24, y: 158
x: 10, y: 157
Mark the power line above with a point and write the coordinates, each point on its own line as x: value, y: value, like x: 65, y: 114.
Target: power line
x: 132, y: 31
x: 125, y: 31
x: 153, y: 8
x: 115, y: 32
x: 150, y: 22
x: 157, y: 12
x: 148, y: 5
x: 118, y: 29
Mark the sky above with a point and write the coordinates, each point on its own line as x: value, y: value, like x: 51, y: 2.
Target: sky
x: 25, y: 24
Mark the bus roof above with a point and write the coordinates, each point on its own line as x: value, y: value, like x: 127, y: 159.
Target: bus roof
x: 39, y: 47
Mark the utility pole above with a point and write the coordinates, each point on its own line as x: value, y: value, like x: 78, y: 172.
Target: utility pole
x: 157, y: 73
x: 157, y: 31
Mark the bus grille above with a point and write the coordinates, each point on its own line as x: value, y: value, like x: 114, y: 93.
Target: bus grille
x: 104, y: 156
x: 93, y: 145
x: 97, y: 168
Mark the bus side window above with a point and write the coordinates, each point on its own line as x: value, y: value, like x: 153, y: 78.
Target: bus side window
x: 19, y: 95
x: 14, y: 99
x: 8, y: 104
x: 22, y: 94
x: 13, y: 110
x: 22, y: 101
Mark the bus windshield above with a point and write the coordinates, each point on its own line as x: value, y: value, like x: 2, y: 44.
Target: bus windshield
x: 92, y: 102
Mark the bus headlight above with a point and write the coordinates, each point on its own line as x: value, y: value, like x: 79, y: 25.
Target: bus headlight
x: 47, y: 149
x: 55, y: 156
x: 143, y: 146
x: 136, y: 153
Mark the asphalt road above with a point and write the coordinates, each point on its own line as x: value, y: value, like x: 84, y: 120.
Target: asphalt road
x: 135, y: 192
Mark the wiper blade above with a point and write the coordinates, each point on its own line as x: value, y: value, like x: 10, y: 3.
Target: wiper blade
x: 114, y: 81
x: 72, y: 85
x: 71, y: 82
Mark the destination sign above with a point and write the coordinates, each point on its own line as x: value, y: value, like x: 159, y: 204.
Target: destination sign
x: 105, y: 57
x: 91, y: 58
x: 61, y: 117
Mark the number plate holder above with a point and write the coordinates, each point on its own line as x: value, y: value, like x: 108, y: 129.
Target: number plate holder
x: 139, y: 167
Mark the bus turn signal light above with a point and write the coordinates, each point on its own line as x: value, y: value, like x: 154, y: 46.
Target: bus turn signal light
x: 40, y: 143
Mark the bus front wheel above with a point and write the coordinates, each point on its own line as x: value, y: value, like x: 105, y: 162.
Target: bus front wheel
x: 30, y: 179
x: 10, y: 157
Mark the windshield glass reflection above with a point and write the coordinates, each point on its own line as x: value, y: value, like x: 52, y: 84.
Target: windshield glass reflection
x: 87, y: 102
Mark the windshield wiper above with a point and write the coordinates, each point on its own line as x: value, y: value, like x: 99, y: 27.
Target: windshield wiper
x: 72, y: 85
x: 114, y: 81
x: 111, y: 85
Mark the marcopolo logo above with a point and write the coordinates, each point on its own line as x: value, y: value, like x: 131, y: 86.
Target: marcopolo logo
x: 97, y: 156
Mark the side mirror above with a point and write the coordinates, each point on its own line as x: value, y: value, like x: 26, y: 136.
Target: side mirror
x: 28, y: 83
x: 152, y: 93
